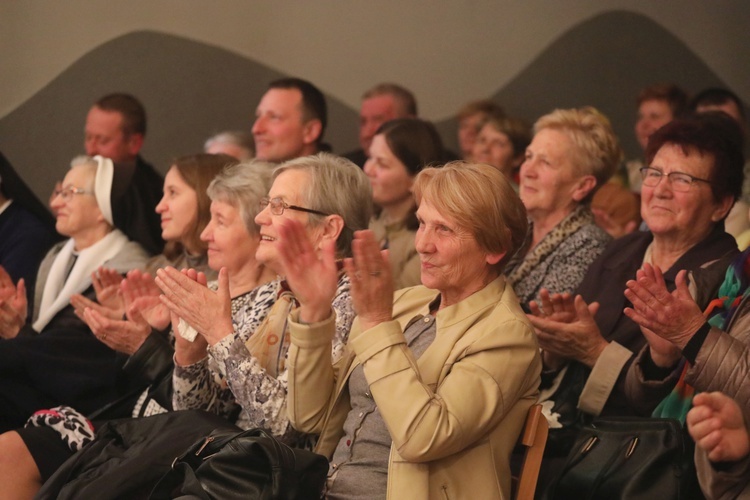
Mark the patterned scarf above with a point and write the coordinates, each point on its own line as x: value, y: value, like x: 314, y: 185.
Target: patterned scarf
x: 523, y: 265
x: 719, y: 313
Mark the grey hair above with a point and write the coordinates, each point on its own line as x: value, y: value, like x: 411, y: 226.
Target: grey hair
x: 90, y: 164
x: 337, y: 186
x: 242, y: 186
x: 234, y: 137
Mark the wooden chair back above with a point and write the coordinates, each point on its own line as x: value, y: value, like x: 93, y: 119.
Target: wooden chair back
x: 533, y: 440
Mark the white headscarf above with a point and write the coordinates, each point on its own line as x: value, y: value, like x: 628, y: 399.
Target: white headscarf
x: 58, y: 288
x: 105, y: 171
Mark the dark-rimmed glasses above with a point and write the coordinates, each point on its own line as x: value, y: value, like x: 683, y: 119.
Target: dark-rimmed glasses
x: 278, y: 206
x: 67, y: 193
x: 679, y: 181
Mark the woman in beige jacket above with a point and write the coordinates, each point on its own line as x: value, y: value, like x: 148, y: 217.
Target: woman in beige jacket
x: 433, y: 389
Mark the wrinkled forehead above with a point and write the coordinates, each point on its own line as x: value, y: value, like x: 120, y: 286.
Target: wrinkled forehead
x: 291, y: 185
x: 80, y: 176
x: 687, y: 159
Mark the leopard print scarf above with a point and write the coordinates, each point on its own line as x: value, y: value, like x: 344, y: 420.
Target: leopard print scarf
x: 578, y: 218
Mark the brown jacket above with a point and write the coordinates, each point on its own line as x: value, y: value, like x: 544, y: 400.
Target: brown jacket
x: 722, y: 364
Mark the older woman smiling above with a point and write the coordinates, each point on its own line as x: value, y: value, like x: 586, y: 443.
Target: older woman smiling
x: 330, y: 196
x: 573, y: 152
x: 688, y: 189
x: 55, y: 359
x: 435, y: 382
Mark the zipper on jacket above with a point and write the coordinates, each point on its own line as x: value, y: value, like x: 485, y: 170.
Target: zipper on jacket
x: 203, y: 446
x: 445, y: 491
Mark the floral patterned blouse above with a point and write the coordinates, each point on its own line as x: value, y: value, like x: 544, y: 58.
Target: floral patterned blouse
x: 230, y: 379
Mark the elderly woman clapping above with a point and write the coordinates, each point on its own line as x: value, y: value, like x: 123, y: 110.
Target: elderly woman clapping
x: 688, y: 189
x: 239, y: 354
x: 439, y: 371
x: 55, y: 359
x: 672, y: 319
x: 574, y: 151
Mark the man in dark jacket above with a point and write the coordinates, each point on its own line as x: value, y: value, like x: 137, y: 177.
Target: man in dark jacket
x: 116, y: 129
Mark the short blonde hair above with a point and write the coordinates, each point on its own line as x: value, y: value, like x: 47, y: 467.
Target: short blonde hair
x: 598, y: 150
x: 481, y: 200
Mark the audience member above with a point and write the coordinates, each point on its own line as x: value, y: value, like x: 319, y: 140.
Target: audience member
x: 718, y: 99
x: 693, y: 177
x: 709, y: 142
x: 27, y: 228
x: 398, y: 152
x: 717, y: 352
x: 471, y: 117
x: 718, y: 426
x: 657, y: 104
x: 573, y: 152
x: 616, y: 209
x: 251, y: 359
x: 502, y: 143
x: 725, y: 101
x: 38, y: 450
x: 383, y: 102
x: 116, y: 129
x: 331, y: 197
x: 55, y: 359
x: 185, y: 213
x: 290, y: 120
x: 235, y: 143
x: 394, y: 415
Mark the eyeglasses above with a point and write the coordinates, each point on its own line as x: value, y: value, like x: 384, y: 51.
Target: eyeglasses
x: 278, y: 206
x: 679, y: 181
x: 67, y: 193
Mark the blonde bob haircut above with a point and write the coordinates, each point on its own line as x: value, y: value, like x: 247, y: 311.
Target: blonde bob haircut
x: 597, y: 151
x: 480, y: 199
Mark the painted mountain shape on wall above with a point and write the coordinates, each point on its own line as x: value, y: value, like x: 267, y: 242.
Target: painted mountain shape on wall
x: 192, y: 90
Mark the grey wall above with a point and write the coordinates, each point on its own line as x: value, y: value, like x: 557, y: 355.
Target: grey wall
x: 200, y: 67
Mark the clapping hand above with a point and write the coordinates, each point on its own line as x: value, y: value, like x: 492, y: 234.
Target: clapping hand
x: 716, y: 424
x: 186, y: 295
x: 106, y: 284
x: 109, y: 303
x: 139, y: 289
x: 312, y: 276
x: 13, y: 305
x: 566, y: 329
x: 125, y: 336
x: 668, y: 320
x: 372, y: 283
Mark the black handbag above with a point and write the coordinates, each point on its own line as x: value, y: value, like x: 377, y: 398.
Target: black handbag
x: 247, y: 465
x: 629, y: 458
x: 129, y: 456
